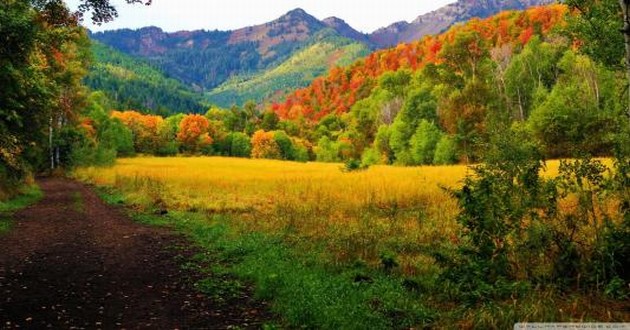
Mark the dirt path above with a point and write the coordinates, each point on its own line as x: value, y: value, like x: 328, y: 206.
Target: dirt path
x: 73, y: 262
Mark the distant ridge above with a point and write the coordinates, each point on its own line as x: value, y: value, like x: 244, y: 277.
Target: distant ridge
x: 440, y: 20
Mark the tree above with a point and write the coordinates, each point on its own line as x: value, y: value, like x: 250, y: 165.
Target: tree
x: 264, y: 145
x: 193, y: 133
x: 424, y: 141
x: 241, y: 145
x: 287, y: 151
x: 602, y: 33
x: 43, y: 57
x: 445, y: 151
x: 327, y: 151
x: 269, y: 121
x: 578, y: 114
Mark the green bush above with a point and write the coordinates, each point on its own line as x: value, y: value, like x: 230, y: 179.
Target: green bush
x: 241, y: 145
x: 445, y: 151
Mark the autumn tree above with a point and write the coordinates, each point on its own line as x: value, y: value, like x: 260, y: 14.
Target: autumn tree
x: 193, y: 133
x: 264, y: 145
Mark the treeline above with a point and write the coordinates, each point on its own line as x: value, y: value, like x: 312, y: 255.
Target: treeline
x: 233, y: 133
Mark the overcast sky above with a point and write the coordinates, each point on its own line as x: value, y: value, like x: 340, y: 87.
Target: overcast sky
x: 175, y: 15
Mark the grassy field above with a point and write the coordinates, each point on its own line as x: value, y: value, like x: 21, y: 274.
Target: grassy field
x: 357, y: 215
x: 331, y: 249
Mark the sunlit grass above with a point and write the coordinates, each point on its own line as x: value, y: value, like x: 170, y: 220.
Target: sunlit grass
x: 309, y: 234
x: 355, y: 214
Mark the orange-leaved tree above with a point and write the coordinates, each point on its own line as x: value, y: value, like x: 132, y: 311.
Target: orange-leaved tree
x: 145, y: 129
x: 264, y: 145
x: 193, y: 133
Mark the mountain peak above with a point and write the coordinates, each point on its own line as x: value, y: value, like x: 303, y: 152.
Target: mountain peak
x: 297, y: 12
x: 333, y: 20
x: 345, y: 29
x: 441, y: 19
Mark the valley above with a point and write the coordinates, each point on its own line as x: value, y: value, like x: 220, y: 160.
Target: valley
x: 467, y: 169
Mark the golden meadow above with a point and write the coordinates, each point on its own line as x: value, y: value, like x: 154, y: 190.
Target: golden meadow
x: 355, y: 215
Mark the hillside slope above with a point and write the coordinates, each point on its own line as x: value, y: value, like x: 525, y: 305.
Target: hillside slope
x: 206, y: 59
x: 337, y: 92
x: 134, y: 84
x: 327, y: 50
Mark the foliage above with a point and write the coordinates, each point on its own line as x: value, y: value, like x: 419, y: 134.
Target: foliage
x: 578, y: 112
x: 102, y: 10
x: 326, y: 49
x: 264, y: 145
x: 42, y: 59
x: 445, y: 151
x: 597, y: 26
x: 504, y: 195
x: 193, y: 133
x: 134, y: 84
x: 241, y: 145
x: 424, y: 142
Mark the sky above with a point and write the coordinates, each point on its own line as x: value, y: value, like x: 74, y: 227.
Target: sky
x: 175, y: 15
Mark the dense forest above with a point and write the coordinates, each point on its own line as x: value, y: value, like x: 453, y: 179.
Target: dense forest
x: 437, y: 100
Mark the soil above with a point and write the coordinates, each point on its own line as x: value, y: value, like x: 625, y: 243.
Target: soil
x: 73, y: 262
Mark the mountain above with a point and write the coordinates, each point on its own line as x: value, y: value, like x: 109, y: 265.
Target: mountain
x: 206, y: 59
x: 327, y: 50
x: 440, y: 20
x: 131, y: 83
x: 345, y: 30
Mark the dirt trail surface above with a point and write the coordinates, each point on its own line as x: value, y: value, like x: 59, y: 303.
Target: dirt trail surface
x: 73, y: 262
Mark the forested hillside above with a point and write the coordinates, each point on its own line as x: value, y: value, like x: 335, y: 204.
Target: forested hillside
x: 326, y: 50
x: 443, y: 94
x: 205, y: 59
x: 131, y: 83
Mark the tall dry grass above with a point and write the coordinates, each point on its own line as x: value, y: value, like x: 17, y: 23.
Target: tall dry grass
x: 355, y: 215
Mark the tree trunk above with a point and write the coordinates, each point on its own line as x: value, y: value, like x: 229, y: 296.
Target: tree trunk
x: 50, y: 144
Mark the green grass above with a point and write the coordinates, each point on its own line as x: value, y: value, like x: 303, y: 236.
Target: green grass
x: 308, y: 290
x: 28, y: 196
x: 304, y: 289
